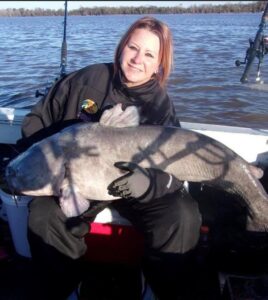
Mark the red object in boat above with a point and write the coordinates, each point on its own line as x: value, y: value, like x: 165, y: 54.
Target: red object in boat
x: 114, y: 243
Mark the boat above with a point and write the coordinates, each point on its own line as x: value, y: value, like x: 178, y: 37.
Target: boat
x: 113, y: 237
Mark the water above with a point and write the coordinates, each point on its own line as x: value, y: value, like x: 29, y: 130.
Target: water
x: 204, y: 85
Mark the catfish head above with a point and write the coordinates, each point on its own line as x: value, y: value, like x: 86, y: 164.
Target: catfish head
x: 39, y: 170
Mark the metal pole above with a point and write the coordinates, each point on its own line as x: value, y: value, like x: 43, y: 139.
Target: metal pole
x: 64, y: 45
x: 253, y: 50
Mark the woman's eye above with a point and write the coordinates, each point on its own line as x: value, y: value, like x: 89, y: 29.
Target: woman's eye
x: 132, y: 47
x: 149, y: 55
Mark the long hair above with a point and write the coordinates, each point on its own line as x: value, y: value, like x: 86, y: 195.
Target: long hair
x: 166, y: 46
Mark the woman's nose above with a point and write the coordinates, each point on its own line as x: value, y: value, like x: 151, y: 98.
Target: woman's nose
x: 138, y: 57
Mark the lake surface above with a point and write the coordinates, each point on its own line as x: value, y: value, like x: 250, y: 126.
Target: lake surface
x: 204, y: 85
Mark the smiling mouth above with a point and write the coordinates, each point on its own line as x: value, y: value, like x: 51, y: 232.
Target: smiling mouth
x: 134, y: 68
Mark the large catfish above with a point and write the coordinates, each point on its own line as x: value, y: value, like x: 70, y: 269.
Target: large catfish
x: 79, y: 162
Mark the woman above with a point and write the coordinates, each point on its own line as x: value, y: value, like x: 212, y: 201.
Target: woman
x: 155, y: 202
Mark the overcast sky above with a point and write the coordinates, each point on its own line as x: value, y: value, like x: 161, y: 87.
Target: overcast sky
x: 77, y: 4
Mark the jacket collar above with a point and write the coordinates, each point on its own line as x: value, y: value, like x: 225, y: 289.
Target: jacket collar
x: 142, y: 93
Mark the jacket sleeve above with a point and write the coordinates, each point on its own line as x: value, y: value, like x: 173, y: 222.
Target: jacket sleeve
x: 44, y: 118
x: 61, y: 106
x: 159, y: 110
x: 162, y: 184
x: 162, y: 112
x: 169, y: 117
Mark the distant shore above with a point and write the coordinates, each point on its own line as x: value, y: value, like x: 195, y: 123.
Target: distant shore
x: 251, y: 7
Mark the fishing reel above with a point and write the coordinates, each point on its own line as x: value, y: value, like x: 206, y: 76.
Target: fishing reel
x: 251, y: 53
x: 238, y: 62
x: 44, y: 93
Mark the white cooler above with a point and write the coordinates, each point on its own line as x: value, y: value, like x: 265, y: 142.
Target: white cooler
x: 17, y: 216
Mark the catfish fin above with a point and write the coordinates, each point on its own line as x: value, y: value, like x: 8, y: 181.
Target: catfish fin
x: 256, y: 171
x: 72, y: 203
x: 117, y: 117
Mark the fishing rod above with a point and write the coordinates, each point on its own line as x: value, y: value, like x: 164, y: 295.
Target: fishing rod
x: 257, y: 48
x: 63, y: 63
x: 64, y: 45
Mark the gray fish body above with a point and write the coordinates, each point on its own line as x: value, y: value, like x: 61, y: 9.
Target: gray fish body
x: 82, y: 157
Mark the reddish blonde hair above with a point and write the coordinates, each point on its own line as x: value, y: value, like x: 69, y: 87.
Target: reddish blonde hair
x: 166, y: 45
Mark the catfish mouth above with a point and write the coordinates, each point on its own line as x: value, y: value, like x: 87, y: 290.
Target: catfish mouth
x: 32, y: 184
x: 14, y: 182
x: 10, y: 179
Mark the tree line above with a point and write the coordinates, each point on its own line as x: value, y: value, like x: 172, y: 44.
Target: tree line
x: 253, y: 7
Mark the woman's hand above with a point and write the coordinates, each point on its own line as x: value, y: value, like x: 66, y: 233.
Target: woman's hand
x: 132, y: 185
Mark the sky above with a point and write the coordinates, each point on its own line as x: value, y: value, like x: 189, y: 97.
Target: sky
x: 78, y: 4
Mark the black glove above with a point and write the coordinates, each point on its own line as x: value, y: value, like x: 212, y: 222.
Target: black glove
x: 77, y: 226
x: 80, y: 226
x: 132, y: 185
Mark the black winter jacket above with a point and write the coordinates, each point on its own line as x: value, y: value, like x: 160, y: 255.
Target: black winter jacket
x: 61, y: 107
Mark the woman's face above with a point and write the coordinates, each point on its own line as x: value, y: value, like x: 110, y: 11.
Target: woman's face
x: 140, y: 57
